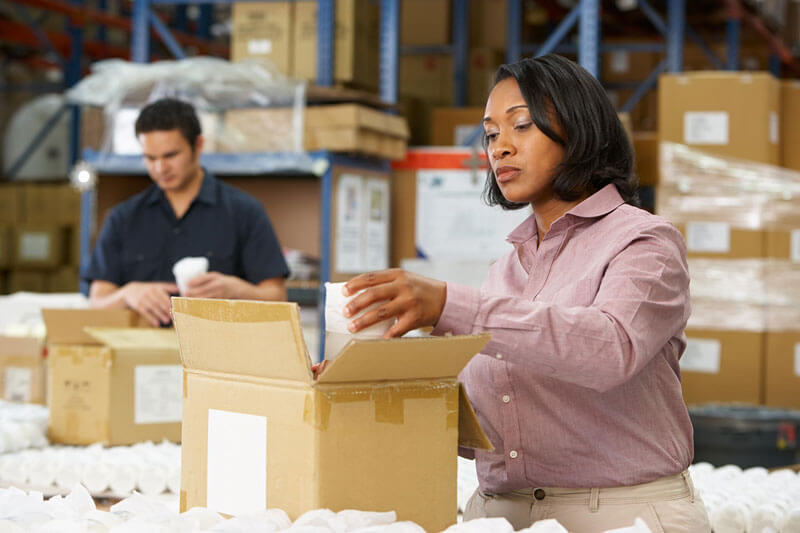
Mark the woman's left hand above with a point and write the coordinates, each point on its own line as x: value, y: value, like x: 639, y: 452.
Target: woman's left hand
x: 415, y: 300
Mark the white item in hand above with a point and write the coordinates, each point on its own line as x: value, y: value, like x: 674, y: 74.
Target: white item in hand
x: 336, y: 333
x: 188, y: 268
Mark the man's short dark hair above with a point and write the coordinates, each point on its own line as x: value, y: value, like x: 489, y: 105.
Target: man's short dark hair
x: 170, y: 114
x: 597, y: 150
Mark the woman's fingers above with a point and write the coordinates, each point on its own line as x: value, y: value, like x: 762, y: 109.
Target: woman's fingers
x: 379, y: 293
x: 383, y: 312
x: 370, y: 279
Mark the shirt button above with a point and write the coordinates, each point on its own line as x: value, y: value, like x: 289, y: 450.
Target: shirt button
x: 539, y: 494
x: 499, y: 356
x: 506, y: 398
x: 513, y: 454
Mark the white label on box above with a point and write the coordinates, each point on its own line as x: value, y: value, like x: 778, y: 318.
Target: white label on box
x: 708, y: 237
x: 259, y: 46
x: 158, y: 394
x: 123, y: 136
x: 797, y: 359
x: 34, y: 246
x: 350, y: 224
x: 236, y: 480
x: 701, y: 355
x: 794, y: 243
x: 705, y: 127
x: 774, y: 128
x: 18, y: 384
x: 620, y: 61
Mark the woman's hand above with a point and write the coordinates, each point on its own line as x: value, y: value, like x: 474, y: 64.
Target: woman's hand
x: 415, y: 301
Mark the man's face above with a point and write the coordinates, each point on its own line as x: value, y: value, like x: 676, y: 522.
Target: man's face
x: 169, y: 158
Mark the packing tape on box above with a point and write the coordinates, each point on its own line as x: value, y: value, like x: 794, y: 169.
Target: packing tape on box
x: 388, y: 400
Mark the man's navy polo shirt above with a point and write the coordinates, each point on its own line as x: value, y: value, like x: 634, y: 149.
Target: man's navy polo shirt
x: 142, y: 239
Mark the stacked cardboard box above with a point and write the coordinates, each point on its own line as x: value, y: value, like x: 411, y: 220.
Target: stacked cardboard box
x: 39, y: 237
x: 22, y: 369
x: 743, y: 240
x: 110, y: 382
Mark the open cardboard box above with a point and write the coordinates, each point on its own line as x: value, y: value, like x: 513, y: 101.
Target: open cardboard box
x: 379, y: 430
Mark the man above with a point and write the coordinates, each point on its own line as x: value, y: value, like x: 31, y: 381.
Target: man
x: 187, y: 212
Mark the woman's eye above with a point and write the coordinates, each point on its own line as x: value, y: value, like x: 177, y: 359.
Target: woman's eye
x: 523, y: 126
x: 491, y: 135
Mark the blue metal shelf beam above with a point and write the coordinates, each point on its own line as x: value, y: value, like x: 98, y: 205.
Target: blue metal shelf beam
x: 589, y: 27
x: 326, y: 18
x: 460, y: 51
x: 389, y: 49
x: 676, y: 23
x: 513, y: 31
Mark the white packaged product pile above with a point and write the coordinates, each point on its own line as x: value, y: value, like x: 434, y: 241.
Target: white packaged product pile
x: 114, y: 472
x: 750, y: 500
x: 22, y: 426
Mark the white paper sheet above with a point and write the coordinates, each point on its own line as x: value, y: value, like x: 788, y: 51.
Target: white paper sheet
x: 236, y: 481
x: 705, y: 127
x: 376, y: 246
x: 714, y: 237
x: 701, y: 355
x: 349, y: 224
x: 158, y: 394
x: 18, y: 384
x: 454, y: 223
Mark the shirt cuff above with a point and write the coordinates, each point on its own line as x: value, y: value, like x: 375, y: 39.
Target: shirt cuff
x: 460, y: 309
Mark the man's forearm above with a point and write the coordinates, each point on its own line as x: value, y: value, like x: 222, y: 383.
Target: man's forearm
x: 268, y: 290
x: 106, y: 295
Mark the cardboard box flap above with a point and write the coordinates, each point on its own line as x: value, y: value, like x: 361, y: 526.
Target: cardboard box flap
x: 66, y: 326
x: 470, y: 432
x: 261, y: 339
x: 13, y: 345
x: 121, y: 339
x: 356, y: 116
x: 403, y: 359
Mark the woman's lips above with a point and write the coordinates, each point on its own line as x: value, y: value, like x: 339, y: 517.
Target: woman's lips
x: 505, y: 174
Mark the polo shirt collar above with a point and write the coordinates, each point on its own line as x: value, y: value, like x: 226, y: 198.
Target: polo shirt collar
x: 597, y: 205
x: 206, y: 195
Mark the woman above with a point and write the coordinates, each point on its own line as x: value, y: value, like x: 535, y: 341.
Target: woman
x: 579, y: 389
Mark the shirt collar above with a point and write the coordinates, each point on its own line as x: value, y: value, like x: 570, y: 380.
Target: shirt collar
x: 206, y: 195
x: 597, y: 205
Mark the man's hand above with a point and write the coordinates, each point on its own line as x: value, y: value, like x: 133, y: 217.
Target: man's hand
x: 216, y: 285
x: 416, y: 301
x: 151, y: 300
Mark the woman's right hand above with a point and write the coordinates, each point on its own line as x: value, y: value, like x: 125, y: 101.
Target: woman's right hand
x: 416, y: 301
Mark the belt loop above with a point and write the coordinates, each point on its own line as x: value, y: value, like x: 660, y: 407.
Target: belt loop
x: 689, y: 485
x: 594, y: 500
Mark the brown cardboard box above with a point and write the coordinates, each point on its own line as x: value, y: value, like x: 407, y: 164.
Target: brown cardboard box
x: 26, y: 281
x: 22, y: 369
x: 428, y: 76
x: 263, y: 31
x: 259, y: 432
x: 782, y: 357
x: 453, y: 125
x: 627, y: 66
x: 355, y: 42
x: 645, y: 144
x: 125, y: 388
x: 425, y: 22
x: 723, y: 366
x: 782, y: 234
x: 340, y: 128
x: 790, y: 124
x: 488, y: 20
x: 12, y: 203
x: 39, y: 246
x: 52, y: 203
x: 725, y: 113
x: 63, y: 279
x: 483, y: 64
x: 66, y: 326
x: 5, y: 246
x: 713, y: 238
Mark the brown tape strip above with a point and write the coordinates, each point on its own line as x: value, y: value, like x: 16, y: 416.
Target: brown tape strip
x: 183, y: 501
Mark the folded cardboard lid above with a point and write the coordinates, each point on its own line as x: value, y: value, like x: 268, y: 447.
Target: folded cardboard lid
x: 13, y: 345
x: 135, y: 339
x: 66, y: 326
x: 261, y: 339
x: 403, y: 359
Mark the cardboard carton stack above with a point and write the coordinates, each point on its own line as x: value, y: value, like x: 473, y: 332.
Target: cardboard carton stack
x: 39, y: 237
x: 111, y: 382
x: 743, y: 240
x: 378, y: 431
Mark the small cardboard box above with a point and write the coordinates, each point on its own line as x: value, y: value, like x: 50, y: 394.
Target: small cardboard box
x: 39, y: 246
x: 126, y: 388
x: 452, y: 126
x: 727, y: 113
x: 52, y: 204
x: 355, y: 60
x: 723, y: 366
x: 425, y: 22
x: 790, y: 125
x: 22, y: 369
x: 378, y: 431
x: 427, y: 76
x: 263, y: 30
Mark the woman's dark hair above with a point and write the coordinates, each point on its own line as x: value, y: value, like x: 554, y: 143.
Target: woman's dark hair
x: 597, y: 150
x: 170, y: 114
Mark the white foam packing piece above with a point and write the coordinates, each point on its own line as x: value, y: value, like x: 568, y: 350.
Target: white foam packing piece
x: 187, y: 269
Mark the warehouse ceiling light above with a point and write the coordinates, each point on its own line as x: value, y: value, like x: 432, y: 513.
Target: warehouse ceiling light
x: 83, y: 176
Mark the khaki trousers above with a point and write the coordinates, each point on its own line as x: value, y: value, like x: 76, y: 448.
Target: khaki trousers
x: 667, y: 505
